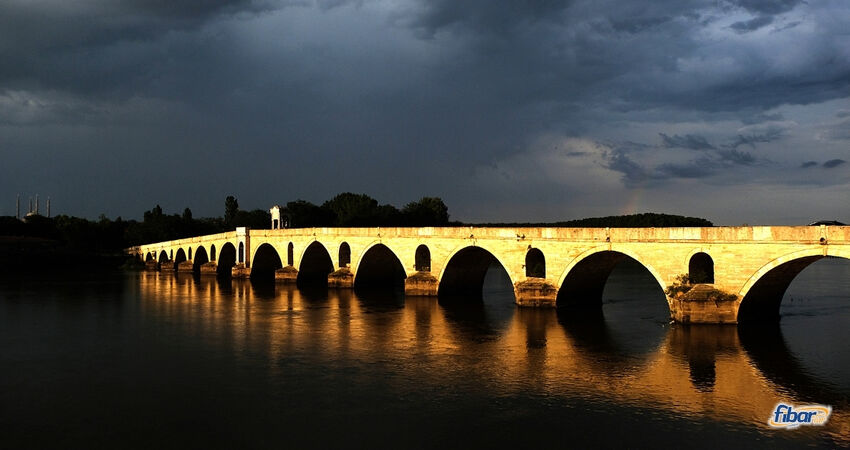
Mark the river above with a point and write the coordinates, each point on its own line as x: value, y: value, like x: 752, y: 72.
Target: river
x: 150, y: 360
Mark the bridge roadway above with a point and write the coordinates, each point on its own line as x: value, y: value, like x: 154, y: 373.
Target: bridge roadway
x: 547, y: 266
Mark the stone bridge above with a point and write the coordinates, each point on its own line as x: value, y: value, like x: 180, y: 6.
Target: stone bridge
x: 742, y: 272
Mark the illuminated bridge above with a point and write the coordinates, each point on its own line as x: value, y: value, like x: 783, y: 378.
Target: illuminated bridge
x: 547, y: 266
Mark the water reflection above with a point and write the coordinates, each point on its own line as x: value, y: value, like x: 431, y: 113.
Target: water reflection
x: 720, y: 373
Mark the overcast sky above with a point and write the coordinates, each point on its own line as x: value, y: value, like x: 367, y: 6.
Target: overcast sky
x: 736, y: 111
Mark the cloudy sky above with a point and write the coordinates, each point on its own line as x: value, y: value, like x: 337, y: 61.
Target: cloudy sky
x: 736, y: 111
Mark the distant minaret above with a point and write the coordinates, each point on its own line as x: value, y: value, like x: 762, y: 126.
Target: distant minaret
x: 36, y: 204
x: 18, y: 207
x: 30, y: 210
x: 48, y: 207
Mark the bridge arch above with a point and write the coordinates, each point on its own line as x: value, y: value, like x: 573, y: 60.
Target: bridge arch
x: 226, y: 259
x: 701, y: 268
x: 344, y: 255
x: 379, y: 267
x: 180, y: 257
x: 200, y: 259
x: 190, y: 253
x: 315, y: 264
x: 465, y: 269
x: 163, y: 256
x: 535, y: 263
x: 584, y: 278
x: 212, y: 252
x: 422, y: 259
x: 762, y: 294
x: 148, y: 257
x: 266, y: 261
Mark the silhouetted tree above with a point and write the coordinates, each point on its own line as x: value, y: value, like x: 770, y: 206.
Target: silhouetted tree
x: 231, y: 208
x: 303, y: 214
x: 187, y: 215
x: 428, y: 211
x: 258, y: 218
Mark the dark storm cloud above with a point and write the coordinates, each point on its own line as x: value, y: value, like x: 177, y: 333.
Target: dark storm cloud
x: 747, y: 26
x: 769, y: 135
x: 833, y: 163
x: 633, y: 173
x: 701, y: 168
x: 689, y: 141
x: 808, y: 164
x: 485, y: 16
x: 92, y: 46
x: 337, y: 95
x: 768, y: 6
x: 737, y: 157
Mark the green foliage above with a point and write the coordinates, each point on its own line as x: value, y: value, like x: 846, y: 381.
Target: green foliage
x: 685, y: 283
x: 679, y: 287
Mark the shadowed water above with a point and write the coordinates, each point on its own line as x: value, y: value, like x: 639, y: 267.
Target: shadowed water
x: 153, y: 360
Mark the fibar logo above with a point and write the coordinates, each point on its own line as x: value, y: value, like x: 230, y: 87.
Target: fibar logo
x: 788, y: 416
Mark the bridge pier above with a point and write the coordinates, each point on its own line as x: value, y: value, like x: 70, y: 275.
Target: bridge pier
x: 166, y: 266
x: 186, y: 266
x: 342, y: 278
x: 702, y: 305
x: 286, y: 275
x: 151, y: 265
x: 210, y: 268
x: 421, y: 283
x: 536, y: 292
x: 240, y: 271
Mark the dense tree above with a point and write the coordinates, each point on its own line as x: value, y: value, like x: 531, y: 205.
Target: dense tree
x: 303, y: 214
x: 353, y: 210
x: 428, y: 211
x: 257, y: 218
x: 231, y: 208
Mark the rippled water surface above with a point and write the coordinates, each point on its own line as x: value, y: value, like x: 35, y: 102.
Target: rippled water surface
x: 154, y: 360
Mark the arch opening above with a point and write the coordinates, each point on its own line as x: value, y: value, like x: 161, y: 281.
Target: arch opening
x: 212, y: 252
x: 163, y: 257
x: 181, y: 256
x: 535, y: 263
x: 148, y: 257
x: 241, y: 252
x: 171, y: 255
x: 190, y: 253
x: 465, y: 273
x: 423, y: 259
x: 290, y: 255
x: 266, y: 261
x: 762, y: 301
x: 200, y: 259
x: 379, y: 268
x: 344, y: 255
x: 316, y: 264
x: 585, y: 284
x: 701, y: 268
x: 226, y: 260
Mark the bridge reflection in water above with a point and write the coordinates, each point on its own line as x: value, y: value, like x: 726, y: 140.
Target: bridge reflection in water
x: 723, y: 373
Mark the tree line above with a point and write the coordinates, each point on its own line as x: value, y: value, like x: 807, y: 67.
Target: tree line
x: 105, y: 235
x: 344, y: 210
